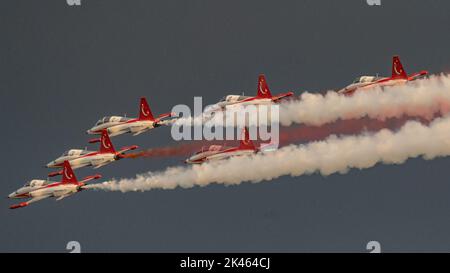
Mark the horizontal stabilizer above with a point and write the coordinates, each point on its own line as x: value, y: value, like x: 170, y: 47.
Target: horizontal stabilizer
x: 52, y: 174
x: 418, y: 75
x: 282, y: 96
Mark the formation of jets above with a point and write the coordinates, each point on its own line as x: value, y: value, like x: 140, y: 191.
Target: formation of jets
x: 111, y: 126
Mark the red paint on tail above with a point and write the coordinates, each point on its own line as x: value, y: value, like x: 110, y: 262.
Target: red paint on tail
x: 246, y: 142
x: 106, y: 145
x: 263, y: 88
x: 398, y: 72
x: 67, y: 174
x: 144, y: 111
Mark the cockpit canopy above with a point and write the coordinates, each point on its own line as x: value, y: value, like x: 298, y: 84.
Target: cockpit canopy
x: 366, y: 79
x: 212, y: 148
x: 36, y: 183
x: 215, y: 148
x: 111, y: 119
x: 74, y: 152
x: 233, y: 98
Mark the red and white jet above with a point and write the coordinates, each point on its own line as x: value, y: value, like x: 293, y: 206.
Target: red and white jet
x: 398, y: 77
x: 263, y: 97
x: 41, y: 189
x: 81, y: 158
x: 117, y: 125
x: 218, y: 152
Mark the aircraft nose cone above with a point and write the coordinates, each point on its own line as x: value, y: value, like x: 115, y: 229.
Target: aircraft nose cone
x: 11, y: 195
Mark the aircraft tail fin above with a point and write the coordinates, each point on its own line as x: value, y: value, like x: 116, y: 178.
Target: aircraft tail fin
x: 398, y: 72
x: 263, y: 88
x: 246, y: 142
x: 145, y: 113
x: 67, y: 173
x: 106, y: 145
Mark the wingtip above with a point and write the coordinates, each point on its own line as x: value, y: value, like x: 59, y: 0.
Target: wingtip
x: 20, y: 205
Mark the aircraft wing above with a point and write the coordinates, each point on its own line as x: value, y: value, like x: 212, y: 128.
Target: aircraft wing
x: 64, y: 196
x: 74, y: 167
x: 116, y: 133
x: 80, y: 166
x: 24, y: 204
x: 96, y: 166
x: 140, y: 132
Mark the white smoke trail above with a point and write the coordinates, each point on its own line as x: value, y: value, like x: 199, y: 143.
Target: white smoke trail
x: 326, y: 157
x: 422, y: 98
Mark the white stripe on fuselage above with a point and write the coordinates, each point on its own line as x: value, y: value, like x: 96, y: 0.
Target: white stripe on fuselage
x: 249, y: 102
x: 211, y: 155
x: 115, y: 128
x: 383, y: 84
x: 55, y: 191
x: 98, y: 129
x: 229, y: 154
x: 93, y: 160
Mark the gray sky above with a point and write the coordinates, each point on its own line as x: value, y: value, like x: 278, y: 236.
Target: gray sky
x: 62, y: 68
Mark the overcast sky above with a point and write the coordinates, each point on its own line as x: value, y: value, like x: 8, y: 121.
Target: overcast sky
x: 63, y: 67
